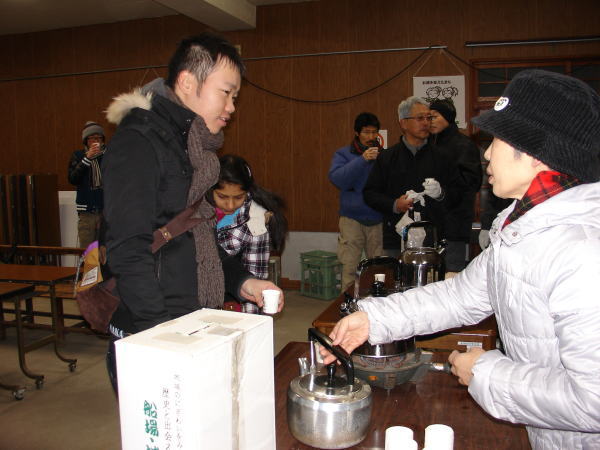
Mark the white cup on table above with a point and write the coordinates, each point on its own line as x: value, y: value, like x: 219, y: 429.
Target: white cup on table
x: 271, y: 301
x: 439, y: 437
x: 399, y: 438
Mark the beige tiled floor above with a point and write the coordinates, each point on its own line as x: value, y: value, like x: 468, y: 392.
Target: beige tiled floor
x: 77, y: 411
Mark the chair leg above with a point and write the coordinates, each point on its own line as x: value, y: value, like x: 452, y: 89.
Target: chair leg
x: 29, y: 314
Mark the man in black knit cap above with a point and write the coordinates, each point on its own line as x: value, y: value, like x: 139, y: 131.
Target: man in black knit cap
x: 540, y: 275
x: 464, y: 153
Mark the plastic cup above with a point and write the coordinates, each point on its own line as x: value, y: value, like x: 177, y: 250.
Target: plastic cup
x: 399, y: 438
x: 271, y: 300
x: 439, y: 437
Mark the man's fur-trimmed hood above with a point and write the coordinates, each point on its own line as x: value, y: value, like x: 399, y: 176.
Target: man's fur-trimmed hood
x: 140, y: 97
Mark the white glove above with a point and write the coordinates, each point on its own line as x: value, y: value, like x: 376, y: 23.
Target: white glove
x: 432, y: 188
x: 416, y: 197
x: 484, y: 239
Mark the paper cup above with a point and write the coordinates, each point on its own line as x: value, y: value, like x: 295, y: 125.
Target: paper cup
x: 397, y: 438
x: 411, y: 445
x: 439, y: 437
x: 271, y: 300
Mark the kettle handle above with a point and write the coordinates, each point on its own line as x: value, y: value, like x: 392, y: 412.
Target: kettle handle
x: 342, y: 355
x: 420, y: 224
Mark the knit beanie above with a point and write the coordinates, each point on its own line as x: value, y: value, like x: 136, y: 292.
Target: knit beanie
x: 91, y: 128
x: 554, y: 118
x: 446, y: 109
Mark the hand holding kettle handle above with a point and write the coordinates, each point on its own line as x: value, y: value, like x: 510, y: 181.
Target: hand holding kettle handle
x: 342, y: 355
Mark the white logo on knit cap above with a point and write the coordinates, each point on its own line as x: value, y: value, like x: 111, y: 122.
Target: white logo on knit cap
x: 501, y: 103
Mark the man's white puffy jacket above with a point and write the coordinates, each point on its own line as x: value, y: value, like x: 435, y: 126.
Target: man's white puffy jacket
x: 540, y: 276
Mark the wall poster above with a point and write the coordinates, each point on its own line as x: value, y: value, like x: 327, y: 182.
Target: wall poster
x: 443, y: 88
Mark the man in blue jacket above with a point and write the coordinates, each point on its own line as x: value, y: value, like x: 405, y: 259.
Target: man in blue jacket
x: 360, y: 225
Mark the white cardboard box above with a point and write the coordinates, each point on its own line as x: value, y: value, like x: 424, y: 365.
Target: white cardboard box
x: 203, y: 381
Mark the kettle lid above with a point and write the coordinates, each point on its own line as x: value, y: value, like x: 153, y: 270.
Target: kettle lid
x: 420, y: 255
x: 320, y: 387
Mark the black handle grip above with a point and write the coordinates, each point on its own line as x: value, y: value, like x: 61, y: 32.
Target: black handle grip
x: 342, y: 355
x: 420, y: 224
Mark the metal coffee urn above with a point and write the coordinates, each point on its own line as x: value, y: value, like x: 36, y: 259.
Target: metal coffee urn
x: 421, y: 265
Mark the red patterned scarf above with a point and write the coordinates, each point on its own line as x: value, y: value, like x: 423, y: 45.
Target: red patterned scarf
x: 544, y: 186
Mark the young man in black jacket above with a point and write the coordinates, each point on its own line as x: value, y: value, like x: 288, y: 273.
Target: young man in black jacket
x: 84, y: 173
x: 161, y: 160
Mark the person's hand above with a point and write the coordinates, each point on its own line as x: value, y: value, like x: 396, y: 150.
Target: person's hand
x: 403, y: 203
x: 102, y: 254
x: 462, y: 363
x: 484, y: 239
x: 350, y: 332
x: 370, y: 153
x: 252, y: 290
x: 93, y: 151
x: 418, y: 196
x: 432, y: 188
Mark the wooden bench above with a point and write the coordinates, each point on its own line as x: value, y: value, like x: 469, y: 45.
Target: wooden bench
x: 47, y: 255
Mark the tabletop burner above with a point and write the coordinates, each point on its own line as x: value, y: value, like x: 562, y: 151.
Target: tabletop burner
x: 388, y: 372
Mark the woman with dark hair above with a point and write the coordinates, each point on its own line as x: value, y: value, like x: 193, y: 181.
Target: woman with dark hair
x: 250, y: 220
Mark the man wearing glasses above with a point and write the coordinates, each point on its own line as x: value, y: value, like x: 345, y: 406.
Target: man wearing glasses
x: 411, y: 175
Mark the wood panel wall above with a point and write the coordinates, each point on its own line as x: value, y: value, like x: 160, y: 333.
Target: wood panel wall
x: 288, y: 143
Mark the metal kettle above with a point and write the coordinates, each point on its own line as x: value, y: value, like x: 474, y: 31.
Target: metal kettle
x: 390, y: 267
x: 327, y: 411
x: 421, y: 265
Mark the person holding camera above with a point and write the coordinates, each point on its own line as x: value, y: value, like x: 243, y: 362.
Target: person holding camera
x: 84, y: 173
x: 360, y: 225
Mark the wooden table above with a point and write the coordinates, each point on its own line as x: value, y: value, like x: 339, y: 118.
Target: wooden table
x: 435, y: 398
x: 41, y: 276
x: 14, y: 292
x: 481, y: 335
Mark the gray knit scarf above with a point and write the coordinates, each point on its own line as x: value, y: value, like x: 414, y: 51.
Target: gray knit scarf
x: 202, y: 148
x: 96, y: 175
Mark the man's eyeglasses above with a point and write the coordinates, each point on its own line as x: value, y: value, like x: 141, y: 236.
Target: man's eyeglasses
x: 421, y: 118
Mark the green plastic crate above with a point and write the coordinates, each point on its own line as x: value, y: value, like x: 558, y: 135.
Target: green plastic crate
x: 319, y: 257
x: 320, y: 274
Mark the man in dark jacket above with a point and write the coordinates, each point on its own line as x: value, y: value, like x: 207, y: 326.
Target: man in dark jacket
x: 458, y: 220
x: 84, y: 172
x: 161, y: 160
x: 413, y: 164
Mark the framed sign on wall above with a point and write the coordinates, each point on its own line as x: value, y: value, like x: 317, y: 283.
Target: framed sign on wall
x: 450, y: 88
